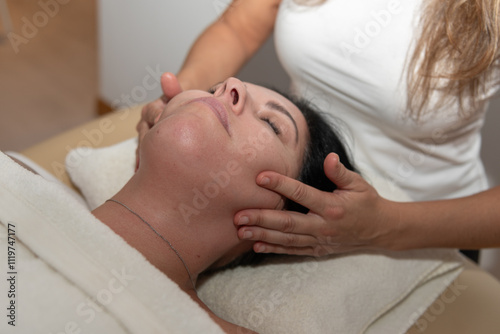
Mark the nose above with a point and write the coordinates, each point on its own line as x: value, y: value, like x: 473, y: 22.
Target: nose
x: 235, y: 95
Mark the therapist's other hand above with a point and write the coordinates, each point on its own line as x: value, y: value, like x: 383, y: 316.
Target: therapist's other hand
x: 152, y: 111
x: 352, y: 217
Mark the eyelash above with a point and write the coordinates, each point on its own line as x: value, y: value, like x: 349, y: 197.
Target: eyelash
x: 273, y: 126
x: 213, y: 89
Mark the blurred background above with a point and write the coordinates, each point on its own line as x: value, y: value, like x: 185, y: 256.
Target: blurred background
x: 48, y: 69
x: 62, y: 62
x: 66, y: 60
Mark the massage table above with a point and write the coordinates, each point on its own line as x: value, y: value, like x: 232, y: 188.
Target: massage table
x: 471, y: 304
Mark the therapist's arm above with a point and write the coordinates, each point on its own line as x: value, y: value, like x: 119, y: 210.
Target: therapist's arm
x: 226, y: 45
x: 471, y: 222
x: 355, y: 217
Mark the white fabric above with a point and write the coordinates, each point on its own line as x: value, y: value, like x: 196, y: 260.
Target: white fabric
x: 357, y: 293
x: 45, y: 174
x: 348, y: 57
x: 74, y: 274
x: 101, y: 172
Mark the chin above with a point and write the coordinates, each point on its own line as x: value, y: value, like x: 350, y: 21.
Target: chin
x: 191, y: 135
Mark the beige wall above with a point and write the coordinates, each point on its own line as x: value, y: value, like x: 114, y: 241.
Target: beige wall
x: 138, y: 39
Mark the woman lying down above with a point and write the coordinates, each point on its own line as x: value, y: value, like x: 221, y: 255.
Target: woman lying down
x: 216, y: 141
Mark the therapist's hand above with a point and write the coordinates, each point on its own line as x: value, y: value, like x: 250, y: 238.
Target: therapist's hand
x: 152, y: 111
x: 352, y: 217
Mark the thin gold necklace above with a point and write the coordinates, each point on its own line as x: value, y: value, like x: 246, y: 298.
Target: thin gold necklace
x: 158, y: 234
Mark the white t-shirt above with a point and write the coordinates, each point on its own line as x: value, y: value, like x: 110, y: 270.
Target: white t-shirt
x: 348, y: 57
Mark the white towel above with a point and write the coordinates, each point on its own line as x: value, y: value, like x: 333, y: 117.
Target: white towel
x: 370, y: 292
x: 356, y: 293
x: 74, y: 274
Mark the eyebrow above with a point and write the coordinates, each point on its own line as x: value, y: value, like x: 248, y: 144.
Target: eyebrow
x: 278, y: 107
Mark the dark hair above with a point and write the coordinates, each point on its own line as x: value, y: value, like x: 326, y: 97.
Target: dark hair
x: 323, y: 139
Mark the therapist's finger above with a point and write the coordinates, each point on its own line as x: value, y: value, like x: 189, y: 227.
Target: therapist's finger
x: 336, y: 172
x: 284, y: 221
x: 308, y: 196
x: 142, y: 129
x: 170, y: 86
x: 149, y: 115
x: 152, y: 111
x: 317, y: 251
x: 276, y: 237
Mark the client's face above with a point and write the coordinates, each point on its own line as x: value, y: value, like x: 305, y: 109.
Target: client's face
x: 220, y: 140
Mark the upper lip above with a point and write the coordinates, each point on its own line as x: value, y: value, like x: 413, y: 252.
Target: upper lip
x: 218, y: 108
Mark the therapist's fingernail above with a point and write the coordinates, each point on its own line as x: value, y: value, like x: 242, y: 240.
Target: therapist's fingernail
x: 243, y: 220
x: 259, y: 249
x: 247, y: 235
x: 264, y: 181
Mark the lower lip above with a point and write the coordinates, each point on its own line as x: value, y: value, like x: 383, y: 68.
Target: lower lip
x: 217, y: 108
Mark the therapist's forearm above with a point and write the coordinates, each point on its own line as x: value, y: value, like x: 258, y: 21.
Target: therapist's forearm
x: 471, y: 222
x: 225, y: 46
x: 215, y: 56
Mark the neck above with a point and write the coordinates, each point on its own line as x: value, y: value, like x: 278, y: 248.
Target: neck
x: 195, y: 244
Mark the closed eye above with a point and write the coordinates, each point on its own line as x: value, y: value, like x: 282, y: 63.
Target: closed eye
x: 273, y: 105
x: 273, y: 126
x: 214, y: 88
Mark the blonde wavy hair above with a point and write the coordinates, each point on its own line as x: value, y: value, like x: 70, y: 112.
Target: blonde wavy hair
x: 456, y: 54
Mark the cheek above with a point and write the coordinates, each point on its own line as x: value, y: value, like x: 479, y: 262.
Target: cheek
x: 250, y: 160
x: 183, y: 143
x: 247, y: 194
x: 269, y: 199
x: 261, y: 150
x: 190, y: 136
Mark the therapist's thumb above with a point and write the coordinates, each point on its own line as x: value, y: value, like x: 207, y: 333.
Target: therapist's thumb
x: 170, y: 85
x: 338, y: 173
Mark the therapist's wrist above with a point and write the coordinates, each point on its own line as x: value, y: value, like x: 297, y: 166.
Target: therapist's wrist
x: 189, y: 79
x: 415, y: 226
x: 394, y: 226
